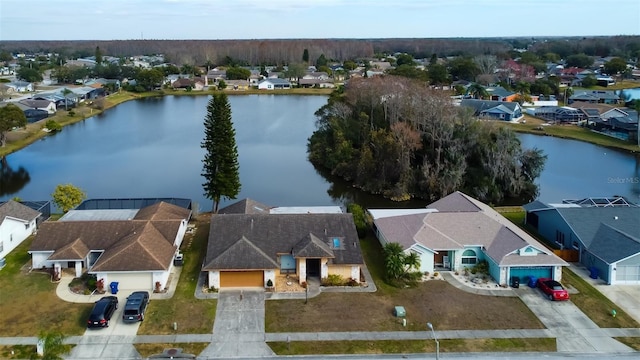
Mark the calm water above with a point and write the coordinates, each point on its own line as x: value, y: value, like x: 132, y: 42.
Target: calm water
x: 629, y: 94
x: 151, y: 148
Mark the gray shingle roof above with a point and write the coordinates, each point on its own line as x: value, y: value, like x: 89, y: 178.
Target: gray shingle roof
x: 245, y: 206
x: 274, y: 234
x: 456, y: 201
x: 585, y: 221
x: 611, y: 245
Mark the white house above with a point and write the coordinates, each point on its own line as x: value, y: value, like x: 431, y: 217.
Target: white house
x: 274, y: 84
x: 17, y: 222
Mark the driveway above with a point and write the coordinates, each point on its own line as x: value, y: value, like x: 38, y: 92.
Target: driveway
x: 573, y: 330
x: 239, y: 326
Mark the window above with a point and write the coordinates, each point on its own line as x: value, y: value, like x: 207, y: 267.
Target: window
x: 469, y: 257
x: 575, y: 245
x: 559, y: 237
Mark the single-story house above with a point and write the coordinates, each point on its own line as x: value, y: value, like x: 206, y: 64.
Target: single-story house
x: 498, y: 110
x: 498, y: 93
x: 17, y: 222
x: 19, y: 86
x: 237, y: 84
x: 595, y: 96
x: 134, y: 247
x: 310, y: 83
x: 250, y: 245
x: 605, y: 232
x: 41, y: 104
x: 458, y: 231
x: 274, y: 84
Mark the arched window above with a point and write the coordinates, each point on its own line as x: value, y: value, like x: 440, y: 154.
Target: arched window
x: 469, y: 257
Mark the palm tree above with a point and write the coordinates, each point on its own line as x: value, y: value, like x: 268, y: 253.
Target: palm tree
x: 412, y: 261
x: 394, y: 261
x: 477, y: 91
x: 53, y: 345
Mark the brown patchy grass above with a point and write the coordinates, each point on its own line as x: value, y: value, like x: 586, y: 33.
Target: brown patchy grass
x: 28, y: 301
x: 632, y: 342
x: 24, y: 351
x: 147, y: 350
x: 193, y: 316
x: 413, y: 346
x: 447, y: 307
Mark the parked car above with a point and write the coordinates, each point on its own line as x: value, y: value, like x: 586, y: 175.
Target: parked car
x: 102, y: 312
x: 553, y: 289
x: 135, y: 307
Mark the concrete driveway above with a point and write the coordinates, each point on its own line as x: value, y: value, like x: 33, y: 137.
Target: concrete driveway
x: 238, y: 330
x: 573, y: 330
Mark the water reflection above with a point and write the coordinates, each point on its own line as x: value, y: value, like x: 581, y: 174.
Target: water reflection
x: 12, y: 180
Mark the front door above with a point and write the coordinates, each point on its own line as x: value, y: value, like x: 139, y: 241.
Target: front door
x: 313, y: 267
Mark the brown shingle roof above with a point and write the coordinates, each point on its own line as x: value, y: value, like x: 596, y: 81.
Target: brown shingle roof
x: 127, y: 245
x: 18, y: 211
x: 162, y: 211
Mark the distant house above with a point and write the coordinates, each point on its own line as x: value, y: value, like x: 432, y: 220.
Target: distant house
x: 134, y: 247
x: 250, y: 244
x: 47, y: 105
x: 563, y: 114
x: 319, y: 83
x: 498, y: 93
x: 182, y: 83
x: 17, y: 222
x: 316, y: 75
x: 241, y: 85
x: 274, y: 84
x: 595, y: 96
x: 19, y: 87
x: 604, y: 233
x: 497, y: 110
x: 457, y: 232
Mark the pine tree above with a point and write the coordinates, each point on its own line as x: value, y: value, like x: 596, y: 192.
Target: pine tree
x: 220, y: 163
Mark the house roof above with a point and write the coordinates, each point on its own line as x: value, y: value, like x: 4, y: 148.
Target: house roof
x: 585, y: 221
x: 482, y: 105
x: 245, y: 206
x: 612, y: 245
x: 16, y: 210
x: 268, y: 235
x: 36, y: 104
x: 535, y: 205
x: 462, y: 221
x: 275, y: 81
x: 143, y: 244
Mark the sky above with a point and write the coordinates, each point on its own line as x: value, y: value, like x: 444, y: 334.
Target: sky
x: 313, y: 19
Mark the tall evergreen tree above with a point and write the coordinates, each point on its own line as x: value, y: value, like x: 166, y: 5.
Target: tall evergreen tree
x: 220, y: 163
x: 305, y: 56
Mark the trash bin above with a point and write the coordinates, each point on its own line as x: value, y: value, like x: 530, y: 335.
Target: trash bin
x: 399, y: 311
x: 515, y: 282
x: 533, y: 281
x: 593, y: 272
x: 178, y: 260
x: 114, y: 287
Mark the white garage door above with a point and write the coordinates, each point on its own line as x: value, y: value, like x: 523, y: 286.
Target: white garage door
x: 629, y: 274
x: 133, y: 281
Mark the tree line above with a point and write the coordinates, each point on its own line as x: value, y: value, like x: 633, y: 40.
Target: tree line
x: 393, y: 136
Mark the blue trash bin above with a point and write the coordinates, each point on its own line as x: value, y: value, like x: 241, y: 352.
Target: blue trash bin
x: 114, y: 287
x: 593, y: 272
x: 533, y: 281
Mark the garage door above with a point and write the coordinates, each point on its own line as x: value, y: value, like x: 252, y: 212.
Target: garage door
x: 136, y: 281
x: 241, y: 279
x: 537, y: 271
x: 629, y: 274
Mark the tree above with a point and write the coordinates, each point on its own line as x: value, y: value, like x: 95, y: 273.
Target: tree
x: 438, y: 74
x: 149, y: 78
x: 399, y: 265
x: 10, y: 117
x: 579, y: 60
x: 322, y: 61
x: 67, y: 196
x: 238, y: 73
x: 477, y: 91
x: 305, y: 56
x: 98, y: 55
x: 53, y: 126
x: 220, y: 163
x: 405, y: 59
x: 615, y: 66
x: 589, y: 81
x: 28, y: 74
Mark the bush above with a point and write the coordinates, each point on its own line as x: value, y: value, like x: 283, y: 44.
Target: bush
x: 53, y: 126
x: 334, y: 280
x: 71, y: 113
x: 269, y: 283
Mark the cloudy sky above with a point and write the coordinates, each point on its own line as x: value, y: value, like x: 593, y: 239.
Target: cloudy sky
x: 286, y: 19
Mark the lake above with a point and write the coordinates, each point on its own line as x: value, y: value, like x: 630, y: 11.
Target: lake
x: 151, y: 148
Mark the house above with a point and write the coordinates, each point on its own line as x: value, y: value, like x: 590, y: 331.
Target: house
x: 134, y: 247
x: 274, y: 84
x: 182, y: 83
x: 237, y: 85
x: 458, y: 232
x: 595, y: 96
x: 17, y: 222
x: 19, y: 87
x: 319, y: 83
x: 604, y: 232
x: 321, y: 75
x: 47, y: 105
x: 498, y: 93
x: 498, y: 110
x: 250, y: 245
x: 564, y: 114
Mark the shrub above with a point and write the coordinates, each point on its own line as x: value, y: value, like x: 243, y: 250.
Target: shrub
x: 53, y: 126
x: 269, y: 283
x: 333, y: 280
x: 72, y: 113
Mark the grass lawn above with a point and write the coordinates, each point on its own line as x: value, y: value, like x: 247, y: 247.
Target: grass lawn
x: 632, y: 342
x: 28, y: 301
x: 447, y: 307
x: 412, y: 346
x: 193, y: 316
x: 147, y: 350
x: 24, y: 351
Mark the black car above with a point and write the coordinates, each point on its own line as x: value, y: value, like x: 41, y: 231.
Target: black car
x: 135, y: 307
x: 102, y: 312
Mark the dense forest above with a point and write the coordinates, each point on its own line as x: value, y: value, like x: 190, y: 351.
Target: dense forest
x: 284, y: 51
x: 394, y: 136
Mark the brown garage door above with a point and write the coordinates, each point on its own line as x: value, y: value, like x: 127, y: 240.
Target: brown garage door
x: 241, y: 278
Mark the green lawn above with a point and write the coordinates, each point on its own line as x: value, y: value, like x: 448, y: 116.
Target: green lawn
x: 29, y: 304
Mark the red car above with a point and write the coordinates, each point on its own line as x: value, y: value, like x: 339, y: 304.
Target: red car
x: 553, y: 289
